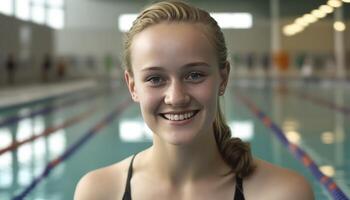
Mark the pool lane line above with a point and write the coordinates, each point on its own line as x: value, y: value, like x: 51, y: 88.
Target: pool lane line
x: 320, y: 101
x: 50, y: 130
x: 73, y: 148
x: 326, y: 181
x: 48, y: 109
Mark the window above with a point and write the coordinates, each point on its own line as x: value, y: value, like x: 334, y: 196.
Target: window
x: 55, y: 3
x: 38, y: 13
x: 55, y: 18
x: 125, y: 21
x: 6, y: 7
x: 55, y: 13
x: 225, y: 20
x: 233, y: 20
x: 49, y: 12
x: 22, y: 9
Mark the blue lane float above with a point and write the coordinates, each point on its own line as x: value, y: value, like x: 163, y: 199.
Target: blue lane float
x: 327, y: 182
x: 72, y: 149
x: 49, y: 130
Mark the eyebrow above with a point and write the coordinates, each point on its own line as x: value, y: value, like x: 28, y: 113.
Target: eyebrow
x: 189, y: 65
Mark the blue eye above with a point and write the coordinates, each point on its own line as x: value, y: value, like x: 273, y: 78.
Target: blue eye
x: 154, y: 80
x: 195, y: 76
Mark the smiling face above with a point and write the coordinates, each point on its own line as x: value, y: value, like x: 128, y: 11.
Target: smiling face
x: 176, y: 79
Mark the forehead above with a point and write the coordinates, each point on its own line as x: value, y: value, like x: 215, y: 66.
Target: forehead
x: 171, y: 44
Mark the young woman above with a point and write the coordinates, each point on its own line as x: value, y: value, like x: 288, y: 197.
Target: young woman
x: 176, y: 69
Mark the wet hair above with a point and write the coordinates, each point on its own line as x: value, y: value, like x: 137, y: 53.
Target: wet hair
x: 234, y: 151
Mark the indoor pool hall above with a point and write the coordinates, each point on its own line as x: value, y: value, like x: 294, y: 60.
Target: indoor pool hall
x: 193, y: 88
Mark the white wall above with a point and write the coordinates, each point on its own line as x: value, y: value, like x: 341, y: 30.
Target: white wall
x: 28, y: 50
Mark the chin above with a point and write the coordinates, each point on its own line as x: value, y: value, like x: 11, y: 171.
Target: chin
x: 179, y: 138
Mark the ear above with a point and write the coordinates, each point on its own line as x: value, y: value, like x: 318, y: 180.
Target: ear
x: 224, y: 74
x: 131, y: 85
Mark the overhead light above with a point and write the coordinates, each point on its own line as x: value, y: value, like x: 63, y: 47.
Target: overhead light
x: 292, y: 29
x: 318, y: 13
x: 310, y: 18
x: 334, y: 3
x: 339, y: 26
x: 288, y: 30
x: 327, y: 9
x: 301, y: 21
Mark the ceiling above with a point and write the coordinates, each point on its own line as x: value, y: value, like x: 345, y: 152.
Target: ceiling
x: 288, y: 8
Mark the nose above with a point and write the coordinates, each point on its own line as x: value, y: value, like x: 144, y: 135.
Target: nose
x: 176, y: 94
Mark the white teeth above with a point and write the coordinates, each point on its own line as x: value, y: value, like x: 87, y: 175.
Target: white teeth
x: 182, y: 117
x: 178, y: 117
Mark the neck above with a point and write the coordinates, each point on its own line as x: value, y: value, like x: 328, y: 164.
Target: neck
x: 183, y: 163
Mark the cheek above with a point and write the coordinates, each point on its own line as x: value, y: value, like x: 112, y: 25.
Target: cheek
x: 149, y: 100
x: 209, y: 98
x: 207, y: 93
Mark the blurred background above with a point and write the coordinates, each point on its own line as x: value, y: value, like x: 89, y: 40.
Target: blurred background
x: 65, y: 110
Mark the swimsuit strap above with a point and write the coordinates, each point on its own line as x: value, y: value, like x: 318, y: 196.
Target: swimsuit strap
x: 239, y: 189
x: 127, y: 192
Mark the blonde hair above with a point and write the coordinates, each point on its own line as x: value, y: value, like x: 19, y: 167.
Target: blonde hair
x: 235, y: 152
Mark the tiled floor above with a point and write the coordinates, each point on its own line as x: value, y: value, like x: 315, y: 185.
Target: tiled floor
x: 314, y: 116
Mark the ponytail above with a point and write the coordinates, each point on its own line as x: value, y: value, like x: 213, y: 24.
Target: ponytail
x: 234, y: 151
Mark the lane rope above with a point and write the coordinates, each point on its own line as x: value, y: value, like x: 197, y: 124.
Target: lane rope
x: 327, y: 182
x: 73, y: 148
x: 49, y: 130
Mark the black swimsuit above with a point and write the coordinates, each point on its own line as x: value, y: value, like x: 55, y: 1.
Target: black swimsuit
x: 127, y: 194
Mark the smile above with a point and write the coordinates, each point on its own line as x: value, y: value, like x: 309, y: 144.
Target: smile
x: 179, y: 116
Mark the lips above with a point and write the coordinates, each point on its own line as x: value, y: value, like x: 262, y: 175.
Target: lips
x: 179, y: 116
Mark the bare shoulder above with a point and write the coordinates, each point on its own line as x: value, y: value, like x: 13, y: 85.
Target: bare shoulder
x: 105, y: 183
x: 277, y: 183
